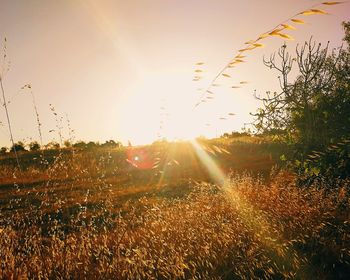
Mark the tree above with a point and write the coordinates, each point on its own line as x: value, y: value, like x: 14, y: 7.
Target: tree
x: 3, y: 150
x: 234, y: 134
x: 34, y: 146
x: 346, y: 26
x: 91, y: 145
x: 52, y: 145
x: 80, y: 145
x: 19, y: 146
x: 314, y: 109
x: 67, y: 144
x: 111, y: 144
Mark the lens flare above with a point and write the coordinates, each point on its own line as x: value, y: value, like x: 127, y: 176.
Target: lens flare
x: 139, y: 158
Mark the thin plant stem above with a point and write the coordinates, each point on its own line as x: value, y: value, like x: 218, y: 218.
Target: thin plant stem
x: 9, y: 124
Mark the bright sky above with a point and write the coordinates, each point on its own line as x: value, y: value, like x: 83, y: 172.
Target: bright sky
x: 111, y: 66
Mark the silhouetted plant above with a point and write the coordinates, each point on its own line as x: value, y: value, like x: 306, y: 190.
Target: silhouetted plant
x: 3, y: 150
x: 80, y: 145
x: 34, y: 146
x: 18, y: 147
x: 111, y: 144
x: 52, y: 145
x: 314, y: 109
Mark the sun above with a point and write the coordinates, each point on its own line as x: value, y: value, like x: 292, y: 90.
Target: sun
x: 162, y: 106
x: 157, y: 107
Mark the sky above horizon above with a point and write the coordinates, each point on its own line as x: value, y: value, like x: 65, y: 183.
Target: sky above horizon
x: 123, y: 70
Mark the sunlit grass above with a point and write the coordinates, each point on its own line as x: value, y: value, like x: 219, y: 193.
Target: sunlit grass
x: 259, y: 231
x: 95, y: 216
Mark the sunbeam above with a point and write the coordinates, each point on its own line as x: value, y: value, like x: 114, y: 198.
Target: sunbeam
x: 214, y: 170
x: 258, y: 223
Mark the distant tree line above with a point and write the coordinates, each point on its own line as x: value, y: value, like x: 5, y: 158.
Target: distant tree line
x: 234, y: 134
x: 80, y: 145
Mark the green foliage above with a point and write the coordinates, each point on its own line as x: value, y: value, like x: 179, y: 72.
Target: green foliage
x: 346, y: 26
x: 330, y: 165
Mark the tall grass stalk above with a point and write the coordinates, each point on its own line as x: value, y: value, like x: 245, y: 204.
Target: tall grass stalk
x: 9, y: 123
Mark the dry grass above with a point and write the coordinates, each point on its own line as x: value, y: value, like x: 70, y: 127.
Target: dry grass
x: 93, y: 217
x: 248, y: 230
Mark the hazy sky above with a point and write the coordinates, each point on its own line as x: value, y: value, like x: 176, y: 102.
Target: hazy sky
x: 111, y: 65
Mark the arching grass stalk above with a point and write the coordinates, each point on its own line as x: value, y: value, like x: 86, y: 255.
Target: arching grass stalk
x: 253, y: 44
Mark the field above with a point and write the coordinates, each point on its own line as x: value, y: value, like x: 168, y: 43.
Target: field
x: 262, y: 189
x: 73, y: 214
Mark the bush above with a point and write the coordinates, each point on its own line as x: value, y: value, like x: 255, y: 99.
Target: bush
x: 34, y: 146
x: 330, y: 165
x: 3, y: 150
x: 18, y: 147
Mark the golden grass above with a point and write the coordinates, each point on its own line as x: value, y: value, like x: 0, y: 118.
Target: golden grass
x: 249, y: 230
